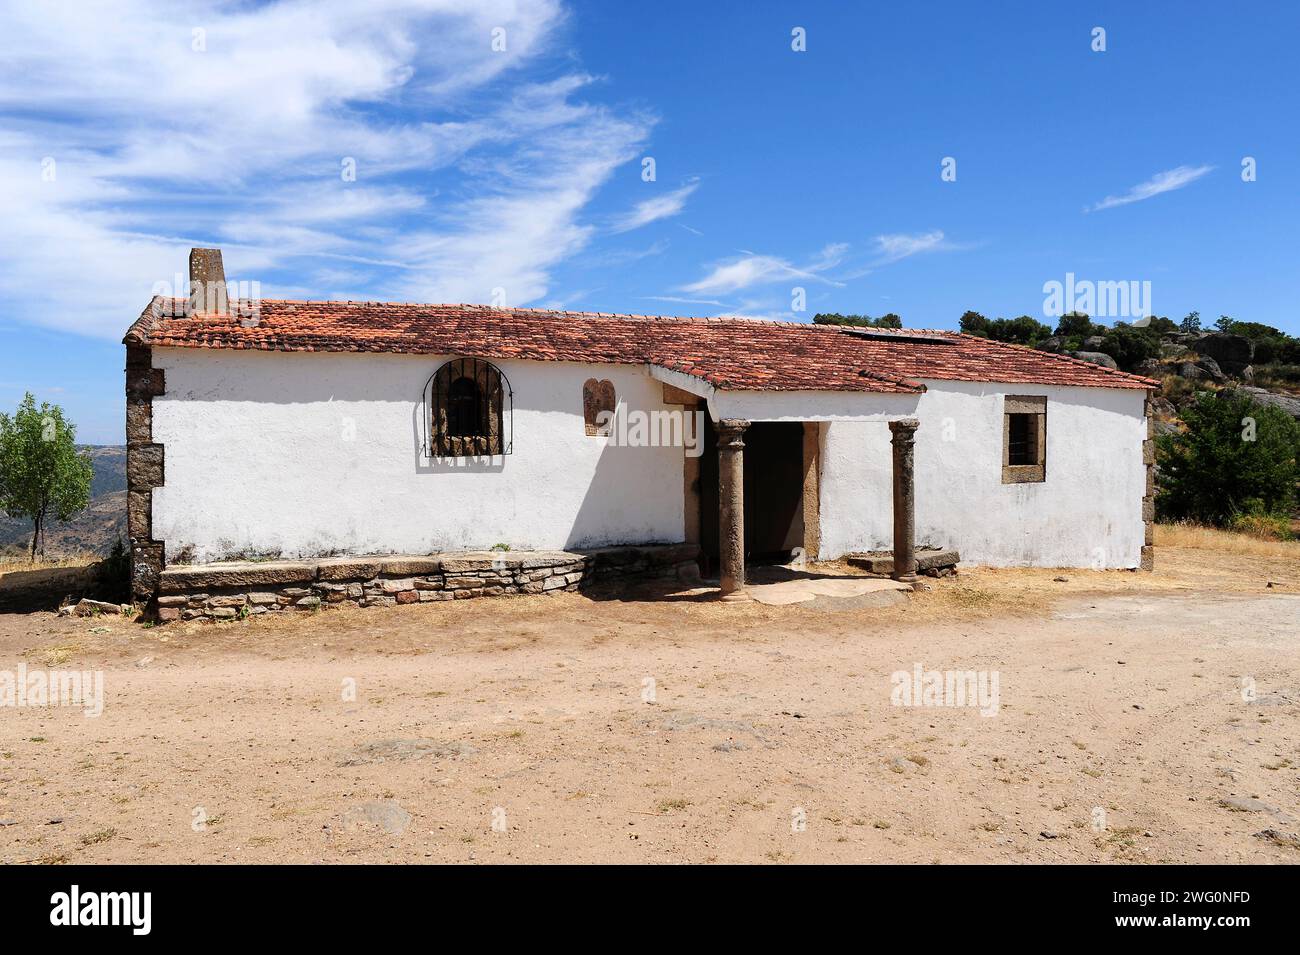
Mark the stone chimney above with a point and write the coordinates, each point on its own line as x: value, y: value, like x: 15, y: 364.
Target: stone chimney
x: 208, y: 294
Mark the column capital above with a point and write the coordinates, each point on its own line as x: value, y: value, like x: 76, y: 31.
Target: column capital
x: 731, y: 433
x: 906, y: 426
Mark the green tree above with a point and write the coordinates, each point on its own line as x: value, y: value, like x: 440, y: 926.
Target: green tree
x: 1130, y: 346
x: 1024, y: 330
x: 41, y: 473
x: 1225, y: 323
x: 858, y: 321
x: 973, y: 323
x: 1191, y: 323
x: 1236, y: 457
x: 1077, y: 325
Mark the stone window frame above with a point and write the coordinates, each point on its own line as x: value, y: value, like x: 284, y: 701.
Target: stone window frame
x: 1035, y: 473
x: 598, y: 395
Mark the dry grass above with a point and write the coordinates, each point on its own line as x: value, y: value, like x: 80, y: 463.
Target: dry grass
x: 1196, y: 537
x: 13, y: 563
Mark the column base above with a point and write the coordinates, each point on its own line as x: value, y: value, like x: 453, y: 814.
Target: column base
x: 734, y: 597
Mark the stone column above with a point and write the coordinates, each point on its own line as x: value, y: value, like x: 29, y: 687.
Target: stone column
x: 904, y: 432
x: 731, y: 507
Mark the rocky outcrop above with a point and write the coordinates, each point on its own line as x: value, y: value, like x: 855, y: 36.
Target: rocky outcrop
x: 1096, y: 357
x: 1233, y: 353
x: 1288, y: 403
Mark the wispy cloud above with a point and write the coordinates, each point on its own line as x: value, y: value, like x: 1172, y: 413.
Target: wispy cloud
x: 893, y: 248
x: 678, y: 300
x: 751, y: 269
x: 652, y: 210
x: 1166, y: 181
x: 470, y: 176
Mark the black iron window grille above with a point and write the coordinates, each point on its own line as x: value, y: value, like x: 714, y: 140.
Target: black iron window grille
x: 1023, y: 439
x: 469, y: 410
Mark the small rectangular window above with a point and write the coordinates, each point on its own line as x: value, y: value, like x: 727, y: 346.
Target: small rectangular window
x: 1024, y: 439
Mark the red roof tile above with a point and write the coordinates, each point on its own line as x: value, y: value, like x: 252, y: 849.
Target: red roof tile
x: 729, y: 353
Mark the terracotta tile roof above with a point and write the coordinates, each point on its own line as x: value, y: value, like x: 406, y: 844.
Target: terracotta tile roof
x: 729, y: 353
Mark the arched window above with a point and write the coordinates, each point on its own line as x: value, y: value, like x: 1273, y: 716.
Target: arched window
x: 469, y: 400
x: 598, y: 396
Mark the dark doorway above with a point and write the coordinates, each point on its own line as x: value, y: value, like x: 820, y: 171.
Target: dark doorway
x: 773, y: 492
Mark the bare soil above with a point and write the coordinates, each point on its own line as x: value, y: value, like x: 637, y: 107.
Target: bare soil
x: 1141, y: 718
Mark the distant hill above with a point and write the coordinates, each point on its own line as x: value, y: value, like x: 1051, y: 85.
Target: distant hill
x: 94, y: 530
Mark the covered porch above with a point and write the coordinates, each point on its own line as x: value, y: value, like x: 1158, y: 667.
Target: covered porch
x: 782, y: 430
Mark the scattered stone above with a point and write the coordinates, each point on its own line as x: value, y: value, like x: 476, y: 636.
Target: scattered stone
x: 730, y: 747
x: 8, y: 822
x: 144, y: 662
x: 1242, y: 804
x: 91, y: 608
x: 388, y: 815
x: 1288, y: 840
x: 1049, y: 834
x: 1061, y: 580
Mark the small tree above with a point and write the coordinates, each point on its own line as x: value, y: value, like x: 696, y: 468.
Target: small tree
x: 1191, y: 323
x: 973, y: 323
x: 1078, y: 325
x: 41, y: 473
x: 1236, y: 457
x: 1130, y: 346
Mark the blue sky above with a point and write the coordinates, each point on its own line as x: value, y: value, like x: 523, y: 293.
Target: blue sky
x: 521, y: 170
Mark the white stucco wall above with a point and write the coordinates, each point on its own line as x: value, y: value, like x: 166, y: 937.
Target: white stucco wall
x: 306, y: 454
x: 313, y: 454
x: 1087, y: 513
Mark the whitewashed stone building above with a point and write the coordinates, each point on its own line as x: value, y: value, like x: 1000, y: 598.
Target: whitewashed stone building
x: 320, y: 433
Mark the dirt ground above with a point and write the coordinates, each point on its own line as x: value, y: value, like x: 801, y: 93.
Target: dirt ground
x: 1140, y: 718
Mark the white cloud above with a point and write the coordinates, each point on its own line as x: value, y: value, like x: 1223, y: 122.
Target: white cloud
x: 656, y: 208
x: 468, y: 176
x: 751, y: 269
x: 1166, y: 181
x: 892, y: 248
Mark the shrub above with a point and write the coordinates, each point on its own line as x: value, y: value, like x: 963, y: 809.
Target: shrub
x: 1214, y: 473
x: 1025, y: 330
x: 1078, y: 325
x: 858, y: 321
x: 1130, y: 346
x: 1269, y: 527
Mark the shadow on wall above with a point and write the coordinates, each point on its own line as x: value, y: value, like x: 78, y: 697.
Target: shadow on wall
x: 611, y: 498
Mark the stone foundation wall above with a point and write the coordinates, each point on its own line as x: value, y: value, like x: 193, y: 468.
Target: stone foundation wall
x: 235, y: 591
